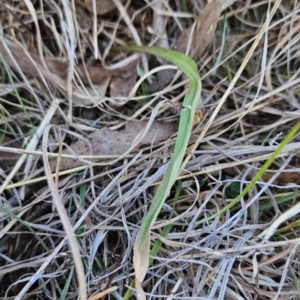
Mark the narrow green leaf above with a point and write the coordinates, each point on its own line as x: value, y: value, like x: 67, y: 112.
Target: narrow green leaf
x: 67, y: 285
x: 258, y: 175
x: 189, y: 67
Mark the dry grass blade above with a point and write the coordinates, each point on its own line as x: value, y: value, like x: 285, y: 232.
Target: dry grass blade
x: 262, y: 31
x: 132, y: 29
x: 103, y: 294
x: 57, y: 201
x: 31, y: 146
x: 204, y: 30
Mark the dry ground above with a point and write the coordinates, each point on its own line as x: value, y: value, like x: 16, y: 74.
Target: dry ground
x: 62, y: 86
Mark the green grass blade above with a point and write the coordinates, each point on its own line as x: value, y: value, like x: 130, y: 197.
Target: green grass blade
x: 64, y: 293
x: 189, y: 68
x: 258, y: 175
x: 158, y: 243
x: 13, y: 216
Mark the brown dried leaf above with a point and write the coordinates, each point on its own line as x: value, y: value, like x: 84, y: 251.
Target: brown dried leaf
x: 139, y: 17
x: 95, y: 93
x: 102, y: 6
x: 95, y: 75
x: 282, y: 178
x: 121, y: 87
x: 164, y: 77
x: 206, y: 25
x: 108, y: 142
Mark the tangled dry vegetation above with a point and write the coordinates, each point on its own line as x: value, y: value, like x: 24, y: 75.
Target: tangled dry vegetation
x: 63, y: 87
